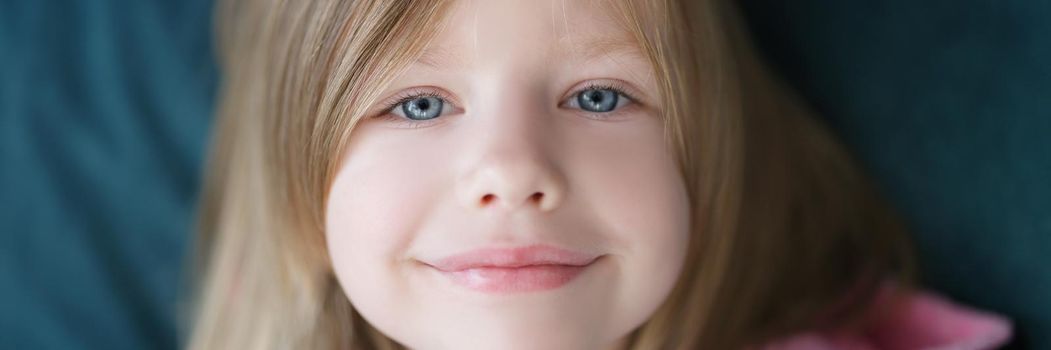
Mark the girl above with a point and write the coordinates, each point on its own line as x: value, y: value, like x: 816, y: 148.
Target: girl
x: 544, y: 174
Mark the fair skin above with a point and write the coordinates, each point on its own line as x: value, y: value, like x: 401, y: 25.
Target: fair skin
x: 508, y: 156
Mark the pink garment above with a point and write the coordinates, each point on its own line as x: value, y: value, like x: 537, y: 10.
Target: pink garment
x: 920, y: 320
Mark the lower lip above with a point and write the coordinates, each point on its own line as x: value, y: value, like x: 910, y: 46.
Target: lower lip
x: 501, y: 280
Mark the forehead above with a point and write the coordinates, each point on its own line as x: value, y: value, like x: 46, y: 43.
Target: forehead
x: 476, y: 31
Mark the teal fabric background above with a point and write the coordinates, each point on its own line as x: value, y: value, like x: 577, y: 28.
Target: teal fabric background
x: 948, y: 104
x: 105, y: 108
x: 104, y: 112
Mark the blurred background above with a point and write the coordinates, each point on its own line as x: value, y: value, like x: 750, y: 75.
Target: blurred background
x: 106, y: 106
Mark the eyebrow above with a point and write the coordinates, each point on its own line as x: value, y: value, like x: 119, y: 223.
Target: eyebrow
x: 588, y: 49
x: 442, y: 57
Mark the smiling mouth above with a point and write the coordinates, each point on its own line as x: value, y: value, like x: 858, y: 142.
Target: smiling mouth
x: 518, y: 270
x: 497, y: 280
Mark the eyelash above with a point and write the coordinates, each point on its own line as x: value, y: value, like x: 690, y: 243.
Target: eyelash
x: 612, y: 86
x: 412, y: 95
x: 387, y: 112
x: 388, y: 109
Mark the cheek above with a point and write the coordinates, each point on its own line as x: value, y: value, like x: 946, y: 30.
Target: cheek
x: 633, y: 183
x: 376, y: 203
x: 639, y: 199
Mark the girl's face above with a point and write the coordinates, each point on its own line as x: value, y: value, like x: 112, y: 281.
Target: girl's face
x: 520, y: 192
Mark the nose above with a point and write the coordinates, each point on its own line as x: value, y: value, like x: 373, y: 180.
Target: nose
x: 513, y: 171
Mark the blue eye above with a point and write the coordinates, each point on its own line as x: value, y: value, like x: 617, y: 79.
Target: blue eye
x: 420, y: 108
x: 599, y: 100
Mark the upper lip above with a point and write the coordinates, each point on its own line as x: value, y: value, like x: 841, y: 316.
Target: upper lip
x: 539, y: 254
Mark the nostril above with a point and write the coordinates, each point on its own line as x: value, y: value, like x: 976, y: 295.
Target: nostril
x: 536, y: 198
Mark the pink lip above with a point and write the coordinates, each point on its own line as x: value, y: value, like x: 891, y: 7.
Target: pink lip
x: 526, y: 269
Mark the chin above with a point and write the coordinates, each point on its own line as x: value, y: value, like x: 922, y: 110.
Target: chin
x: 544, y: 338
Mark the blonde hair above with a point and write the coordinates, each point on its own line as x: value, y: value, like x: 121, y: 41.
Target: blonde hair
x: 787, y: 233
